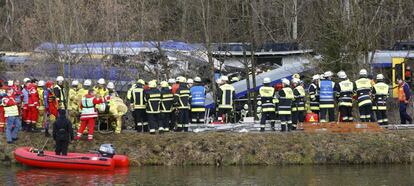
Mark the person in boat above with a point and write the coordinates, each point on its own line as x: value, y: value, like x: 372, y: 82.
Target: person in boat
x: 62, y: 133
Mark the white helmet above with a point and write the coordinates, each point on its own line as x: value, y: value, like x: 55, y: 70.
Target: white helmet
x: 87, y: 82
x: 10, y: 83
x: 363, y: 72
x: 41, y: 83
x: 190, y: 81
x: 101, y: 81
x: 75, y: 83
x: 224, y: 78
x: 285, y: 81
x: 110, y: 85
x: 197, y: 79
x: 341, y: 74
x: 60, y: 79
x: 327, y: 74
x: 316, y: 77
x: 219, y: 81
x: 171, y: 80
x: 25, y: 80
x: 380, y: 77
x: 295, y: 80
x: 266, y: 80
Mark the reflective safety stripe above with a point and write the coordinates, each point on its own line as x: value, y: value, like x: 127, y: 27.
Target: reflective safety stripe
x: 138, y: 98
x: 227, y: 96
x: 202, y: 109
x: 284, y: 112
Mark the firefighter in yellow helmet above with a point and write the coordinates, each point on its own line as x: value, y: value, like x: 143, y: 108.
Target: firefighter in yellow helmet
x: 363, y: 88
x: 380, y: 93
x: 153, y: 99
x: 135, y: 95
x: 298, y: 107
x: 182, y: 101
x: 73, y: 106
x: 167, y: 99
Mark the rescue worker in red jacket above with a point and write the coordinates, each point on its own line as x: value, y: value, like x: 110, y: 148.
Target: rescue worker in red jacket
x: 3, y: 93
x: 12, y: 116
x: 88, y: 113
x: 52, y: 109
x: 33, y: 106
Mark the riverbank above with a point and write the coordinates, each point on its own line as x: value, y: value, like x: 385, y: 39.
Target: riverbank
x: 243, y: 149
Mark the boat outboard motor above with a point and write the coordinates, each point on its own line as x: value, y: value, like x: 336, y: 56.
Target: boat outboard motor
x: 107, y: 150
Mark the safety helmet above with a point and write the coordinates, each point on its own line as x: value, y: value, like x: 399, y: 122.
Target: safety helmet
x: 296, y: 76
x: 10, y: 83
x: 152, y: 84
x: 101, y: 81
x: 177, y: 79
x: 295, y: 80
x: 316, y: 77
x: 60, y: 79
x: 41, y: 83
x: 380, y: 77
x: 171, y: 80
x: 190, y: 81
x: 87, y: 82
x: 327, y: 74
x: 224, y: 78
x: 110, y: 85
x: 182, y: 79
x: 141, y: 81
x: 363, y: 72
x: 266, y: 80
x: 285, y: 81
x: 25, y: 80
x: 245, y: 106
x: 164, y: 84
x: 235, y: 79
x: 219, y: 81
x: 341, y: 74
x: 197, y: 79
x: 75, y: 83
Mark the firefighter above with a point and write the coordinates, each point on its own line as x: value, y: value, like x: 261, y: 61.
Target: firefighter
x: 59, y: 92
x: 182, y: 101
x: 74, y: 103
x: 344, y: 91
x: 285, y: 96
x: 167, y: 99
x: 278, y: 87
x: 190, y: 83
x: 100, y: 89
x: 153, y: 99
x: 313, y: 91
x: 198, y: 97
x: 111, y: 89
x: 41, y: 110
x: 298, y: 107
x: 363, y: 89
x: 326, y: 97
x: 225, y: 96
x: 135, y: 96
x: 85, y: 88
x: 11, y: 112
x: 380, y: 93
x: 267, y: 96
x: 88, y: 113
x: 171, y: 82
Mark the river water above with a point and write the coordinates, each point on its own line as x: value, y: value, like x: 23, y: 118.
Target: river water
x: 332, y: 175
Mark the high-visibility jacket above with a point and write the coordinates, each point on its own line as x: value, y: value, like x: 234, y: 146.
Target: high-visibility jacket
x: 380, y: 93
x: 82, y: 92
x: 136, y: 96
x: 314, y: 96
x: 87, y: 106
x: 286, y: 97
x: 167, y: 100
x: 326, y: 94
x: 73, y: 101
x: 225, y: 96
x: 299, y: 103
x: 363, y: 90
x: 182, y: 97
x: 59, y: 93
x: 267, y: 95
x: 41, y: 93
x: 153, y: 99
x: 10, y: 106
x: 198, y: 97
x: 345, y: 91
x: 101, y: 91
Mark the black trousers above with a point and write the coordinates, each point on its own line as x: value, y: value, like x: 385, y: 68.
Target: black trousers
x: 267, y: 116
x: 166, y: 120
x: 327, y: 111
x: 286, y: 122
x: 365, y: 112
x: 346, y: 113
x: 298, y: 116
x: 153, y: 119
x: 62, y: 147
x: 140, y: 120
x: 183, y: 119
x: 382, y: 117
x: 197, y: 117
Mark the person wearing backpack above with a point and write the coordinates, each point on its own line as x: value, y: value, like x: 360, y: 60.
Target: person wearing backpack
x: 62, y: 133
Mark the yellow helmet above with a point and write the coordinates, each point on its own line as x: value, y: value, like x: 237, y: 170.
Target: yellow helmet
x: 152, y: 84
x: 141, y: 81
x: 164, y: 84
x: 296, y: 76
x: 182, y: 80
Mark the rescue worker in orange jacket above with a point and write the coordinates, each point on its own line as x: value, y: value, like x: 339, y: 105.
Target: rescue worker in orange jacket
x: 404, y: 94
x: 88, y: 113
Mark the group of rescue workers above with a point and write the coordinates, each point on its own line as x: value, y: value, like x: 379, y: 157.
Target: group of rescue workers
x: 174, y: 104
